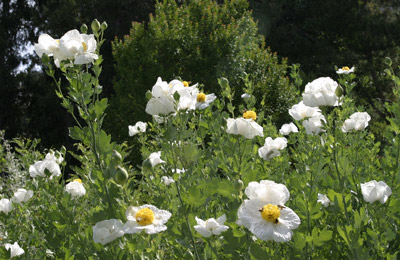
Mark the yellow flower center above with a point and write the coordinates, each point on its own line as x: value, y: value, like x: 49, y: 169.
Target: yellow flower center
x: 201, y: 97
x: 250, y: 114
x: 84, y: 46
x: 345, y: 68
x: 144, y: 217
x: 58, y: 41
x: 185, y: 84
x: 270, y: 213
x: 78, y: 180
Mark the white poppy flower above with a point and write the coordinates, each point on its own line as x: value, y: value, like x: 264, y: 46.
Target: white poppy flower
x: 246, y: 127
x: 373, y: 191
x: 301, y: 111
x: 323, y: 199
x: 271, y: 147
x: 286, y: 129
x: 321, y: 92
x: 211, y: 226
x: 264, y: 213
x: 137, y: 128
x: 314, y: 124
x: 357, y: 122
x: 146, y: 218
x: 345, y: 70
x: 155, y: 159
x: 39, y: 167
x: 107, y: 230
x: 46, y: 45
x: 15, y: 249
x: 75, y: 188
x: 5, y: 205
x: 162, y: 101
x: 22, y: 195
x: 203, y: 100
x: 76, y: 46
x: 167, y: 180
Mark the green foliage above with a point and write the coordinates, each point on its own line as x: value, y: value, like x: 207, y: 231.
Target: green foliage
x: 198, y: 41
x: 216, y: 169
x: 319, y: 35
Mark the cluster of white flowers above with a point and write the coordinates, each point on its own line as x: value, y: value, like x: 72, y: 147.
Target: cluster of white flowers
x: 147, y: 218
x: 73, y: 46
x: 163, y: 103
x: 272, y: 147
x: 50, y: 163
x: 20, y: 196
x: 265, y: 213
x: 314, y: 120
x: 137, y: 128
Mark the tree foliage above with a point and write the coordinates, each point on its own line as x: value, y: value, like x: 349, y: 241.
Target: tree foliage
x: 322, y: 34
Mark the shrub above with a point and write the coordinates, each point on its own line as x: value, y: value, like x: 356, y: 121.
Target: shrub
x: 198, y: 41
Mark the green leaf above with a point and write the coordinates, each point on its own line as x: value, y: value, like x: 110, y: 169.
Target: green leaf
x: 257, y: 252
x: 60, y: 227
x: 76, y: 133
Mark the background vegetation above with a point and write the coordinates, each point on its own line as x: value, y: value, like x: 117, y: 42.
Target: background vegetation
x: 315, y: 35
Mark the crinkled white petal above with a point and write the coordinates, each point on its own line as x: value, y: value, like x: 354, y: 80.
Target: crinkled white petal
x: 245, y: 127
x: 321, y: 92
x: 301, y: 111
x: 286, y: 129
x: 22, y: 195
x: 155, y: 158
x: 15, y: 249
x: 75, y: 188
x: 107, y: 230
x: 268, y: 192
x: 323, y: 199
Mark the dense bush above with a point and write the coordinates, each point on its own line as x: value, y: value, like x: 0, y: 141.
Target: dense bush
x: 198, y: 41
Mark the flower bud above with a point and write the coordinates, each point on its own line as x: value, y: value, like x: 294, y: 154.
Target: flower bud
x: 121, y: 175
x: 95, y: 26
x: 238, y: 185
x: 224, y: 82
x: 104, y: 26
x: 339, y: 91
x: 84, y: 28
x: 149, y: 95
x: 116, y: 156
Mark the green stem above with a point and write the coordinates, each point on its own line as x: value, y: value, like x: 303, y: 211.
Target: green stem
x: 187, y: 220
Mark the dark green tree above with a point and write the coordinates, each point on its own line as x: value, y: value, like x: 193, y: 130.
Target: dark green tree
x: 321, y: 34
